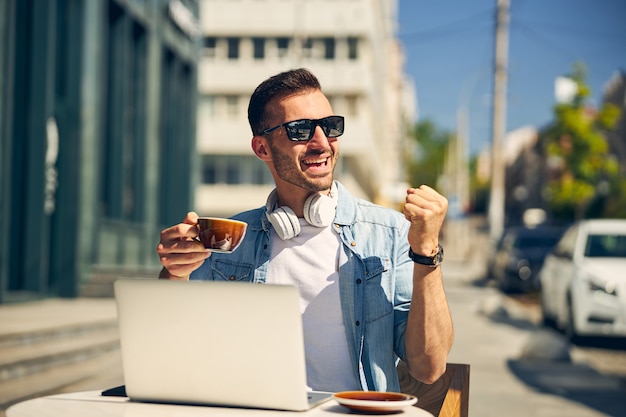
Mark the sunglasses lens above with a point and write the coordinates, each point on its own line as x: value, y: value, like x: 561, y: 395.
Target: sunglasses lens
x: 299, y: 130
x: 332, y: 126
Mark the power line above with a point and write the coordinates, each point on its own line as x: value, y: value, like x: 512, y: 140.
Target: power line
x: 572, y: 31
x: 450, y: 28
x: 545, y: 42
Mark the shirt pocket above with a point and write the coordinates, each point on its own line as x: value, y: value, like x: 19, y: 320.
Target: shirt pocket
x: 378, y: 297
x: 225, y: 270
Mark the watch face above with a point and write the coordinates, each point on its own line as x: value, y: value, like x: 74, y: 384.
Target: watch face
x: 439, y: 255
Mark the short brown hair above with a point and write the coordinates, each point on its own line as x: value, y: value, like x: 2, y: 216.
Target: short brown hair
x: 279, y: 86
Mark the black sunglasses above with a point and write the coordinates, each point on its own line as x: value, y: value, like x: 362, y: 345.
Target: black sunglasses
x: 303, y: 130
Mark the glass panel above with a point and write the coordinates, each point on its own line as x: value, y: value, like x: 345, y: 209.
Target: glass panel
x: 329, y: 48
x: 283, y: 47
x: 258, y: 45
x: 603, y: 246
x: 234, y: 170
x: 232, y: 106
x: 233, y: 48
x: 209, y: 45
x: 353, y: 45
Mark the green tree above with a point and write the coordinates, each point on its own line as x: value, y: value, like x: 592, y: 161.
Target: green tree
x: 425, y: 164
x: 581, y: 167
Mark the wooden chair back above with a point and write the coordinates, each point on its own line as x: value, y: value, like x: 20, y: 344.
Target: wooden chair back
x: 447, y: 397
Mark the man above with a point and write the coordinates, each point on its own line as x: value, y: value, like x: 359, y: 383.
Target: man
x: 370, y: 284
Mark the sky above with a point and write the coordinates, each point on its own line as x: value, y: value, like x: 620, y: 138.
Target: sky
x: 449, y: 48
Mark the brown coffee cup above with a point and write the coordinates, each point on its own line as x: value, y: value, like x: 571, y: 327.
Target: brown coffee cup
x: 220, y: 234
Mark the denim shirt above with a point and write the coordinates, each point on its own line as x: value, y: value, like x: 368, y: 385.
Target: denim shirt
x: 375, y: 280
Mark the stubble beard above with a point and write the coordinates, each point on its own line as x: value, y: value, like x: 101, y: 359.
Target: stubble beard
x: 288, y: 172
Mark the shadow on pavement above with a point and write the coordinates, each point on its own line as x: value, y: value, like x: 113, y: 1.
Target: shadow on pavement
x: 518, y: 323
x: 545, y: 364
x: 575, y: 382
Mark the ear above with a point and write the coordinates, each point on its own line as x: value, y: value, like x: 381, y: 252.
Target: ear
x: 261, y: 148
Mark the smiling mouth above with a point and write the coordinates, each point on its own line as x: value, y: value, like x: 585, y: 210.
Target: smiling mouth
x: 316, y: 163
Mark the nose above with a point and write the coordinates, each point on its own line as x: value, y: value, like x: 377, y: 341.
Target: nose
x: 319, y: 139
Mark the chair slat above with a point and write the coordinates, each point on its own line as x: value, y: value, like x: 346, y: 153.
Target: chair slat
x: 447, y: 397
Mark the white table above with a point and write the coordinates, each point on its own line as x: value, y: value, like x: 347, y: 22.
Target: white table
x: 92, y: 404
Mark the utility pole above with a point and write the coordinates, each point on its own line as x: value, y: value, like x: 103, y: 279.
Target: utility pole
x: 498, y: 169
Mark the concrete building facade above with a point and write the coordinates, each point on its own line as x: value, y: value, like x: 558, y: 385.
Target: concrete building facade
x: 350, y: 45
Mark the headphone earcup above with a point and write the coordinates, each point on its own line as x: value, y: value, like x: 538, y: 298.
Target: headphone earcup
x: 319, y: 210
x: 285, y: 222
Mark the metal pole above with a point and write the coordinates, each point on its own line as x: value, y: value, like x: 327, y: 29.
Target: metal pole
x: 497, y: 198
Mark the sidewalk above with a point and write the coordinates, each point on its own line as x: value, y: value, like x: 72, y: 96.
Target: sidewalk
x: 518, y: 368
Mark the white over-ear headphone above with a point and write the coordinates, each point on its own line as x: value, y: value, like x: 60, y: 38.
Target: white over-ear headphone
x: 319, y: 211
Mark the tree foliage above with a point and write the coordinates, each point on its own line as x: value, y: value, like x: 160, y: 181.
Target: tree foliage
x: 425, y: 164
x: 580, y: 165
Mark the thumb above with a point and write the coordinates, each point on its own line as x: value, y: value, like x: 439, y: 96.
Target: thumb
x: 191, y: 218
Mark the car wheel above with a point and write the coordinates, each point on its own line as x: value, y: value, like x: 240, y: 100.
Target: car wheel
x: 570, y: 323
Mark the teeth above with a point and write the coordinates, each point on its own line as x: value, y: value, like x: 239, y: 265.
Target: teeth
x: 316, y: 161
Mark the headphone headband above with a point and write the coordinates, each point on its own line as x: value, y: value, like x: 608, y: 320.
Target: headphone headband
x: 319, y: 211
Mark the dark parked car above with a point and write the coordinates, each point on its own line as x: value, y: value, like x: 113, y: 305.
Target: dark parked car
x: 519, y: 255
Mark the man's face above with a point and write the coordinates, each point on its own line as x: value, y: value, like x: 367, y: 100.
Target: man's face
x: 308, y: 165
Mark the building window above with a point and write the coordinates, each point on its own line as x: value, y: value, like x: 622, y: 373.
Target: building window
x: 233, y: 48
x: 258, y: 48
x: 283, y: 47
x: 206, y: 106
x: 352, y: 102
x: 353, y: 48
x: 209, y: 46
x: 124, y: 138
x: 232, y: 106
x: 307, y: 47
x: 329, y: 48
x: 234, y: 170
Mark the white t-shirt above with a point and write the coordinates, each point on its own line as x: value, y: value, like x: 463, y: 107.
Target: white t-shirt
x: 313, y: 268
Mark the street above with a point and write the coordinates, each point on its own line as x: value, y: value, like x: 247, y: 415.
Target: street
x: 520, y: 368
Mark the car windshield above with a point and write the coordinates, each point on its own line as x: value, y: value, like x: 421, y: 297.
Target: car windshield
x: 602, y: 246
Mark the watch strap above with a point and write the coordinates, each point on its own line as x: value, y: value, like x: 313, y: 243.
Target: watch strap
x: 432, y: 261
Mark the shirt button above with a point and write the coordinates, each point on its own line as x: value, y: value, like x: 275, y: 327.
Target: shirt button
x: 232, y: 277
x: 358, y: 281
x: 353, y: 243
x: 358, y: 323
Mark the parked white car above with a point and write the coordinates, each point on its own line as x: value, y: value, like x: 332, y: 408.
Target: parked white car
x: 583, y: 280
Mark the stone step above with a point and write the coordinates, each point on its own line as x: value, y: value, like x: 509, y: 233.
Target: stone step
x: 57, y: 347
x: 49, y: 332
x: 95, y: 373
x: 47, y: 346
x: 41, y: 353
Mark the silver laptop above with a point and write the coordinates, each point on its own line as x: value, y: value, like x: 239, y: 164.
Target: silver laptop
x: 213, y: 343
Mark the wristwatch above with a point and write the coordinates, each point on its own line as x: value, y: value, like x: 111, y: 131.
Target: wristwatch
x: 432, y: 261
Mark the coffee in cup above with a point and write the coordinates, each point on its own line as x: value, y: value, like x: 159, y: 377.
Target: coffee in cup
x: 220, y: 234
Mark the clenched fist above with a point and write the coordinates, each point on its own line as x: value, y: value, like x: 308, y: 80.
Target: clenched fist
x: 426, y: 209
